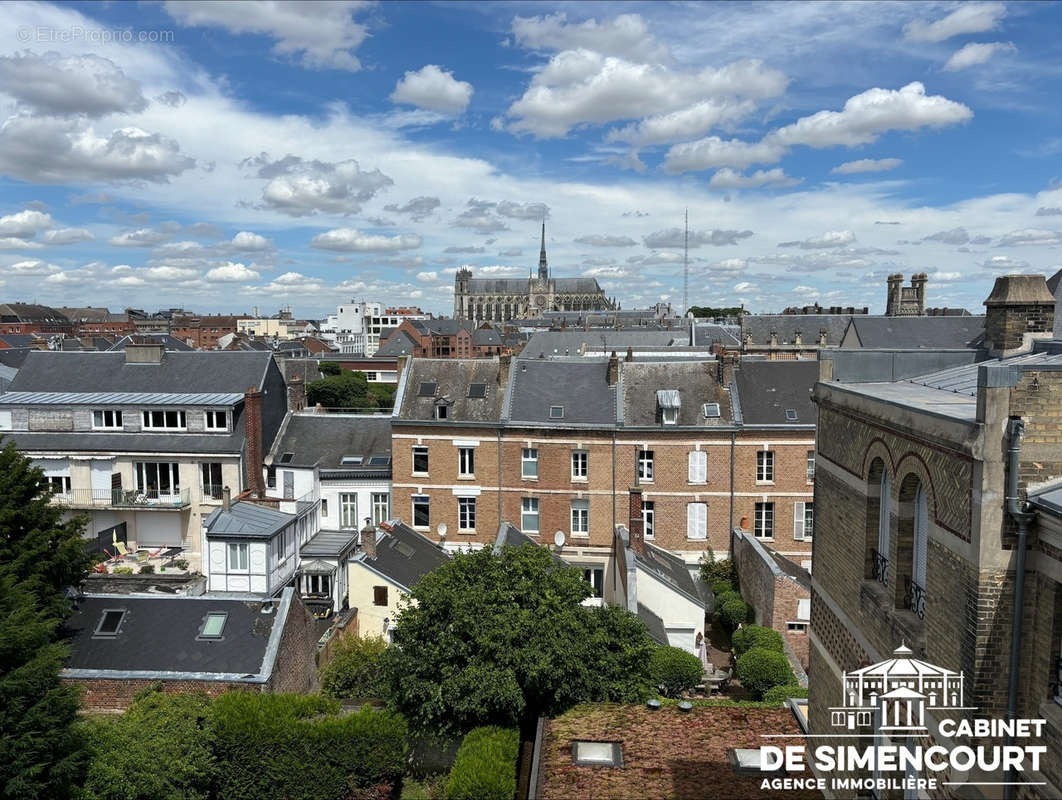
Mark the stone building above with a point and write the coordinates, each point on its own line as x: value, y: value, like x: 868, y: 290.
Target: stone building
x: 500, y: 299
x: 924, y: 489
x: 906, y: 301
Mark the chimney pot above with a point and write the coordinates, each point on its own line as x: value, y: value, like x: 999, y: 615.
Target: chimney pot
x: 613, y: 369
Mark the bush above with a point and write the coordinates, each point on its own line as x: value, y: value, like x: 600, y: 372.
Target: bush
x: 722, y: 587
x: 734, y: 612
x: 181, y: 563
x: 674, y: 670
x: 485, y: 768
x: 298, y: 748
x: 723, y: 598
x: 123, y: 570
x: 744, y: 639
x: 147, y: 569
x: 760, y: 670
x: 329, y: 368
x: 713, y: 571
x: 779, y: 694
x: 355, y: 670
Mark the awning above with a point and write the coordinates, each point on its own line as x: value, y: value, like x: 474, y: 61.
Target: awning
x: 668, y: 398
x: 317, y: 568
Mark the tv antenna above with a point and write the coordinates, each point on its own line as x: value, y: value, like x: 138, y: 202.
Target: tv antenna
x: 686, y: 265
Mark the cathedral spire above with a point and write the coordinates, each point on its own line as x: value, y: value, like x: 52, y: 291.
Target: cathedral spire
x: 543, y: 268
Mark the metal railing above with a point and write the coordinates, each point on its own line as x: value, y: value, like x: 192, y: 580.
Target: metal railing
x: 213, y: 491
x: 879, y: 567
x: 916, y: 598
x: 124, y: 498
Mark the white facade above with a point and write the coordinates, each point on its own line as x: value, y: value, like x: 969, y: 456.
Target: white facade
x: 355, y: 327
x: 345, y: 503
x: 682, y: 617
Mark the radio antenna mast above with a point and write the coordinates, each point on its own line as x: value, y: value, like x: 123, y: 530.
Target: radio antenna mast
x: 686, y: 265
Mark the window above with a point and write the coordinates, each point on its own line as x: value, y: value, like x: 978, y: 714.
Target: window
x: 421, y: 514
x: 790, y: 415
x: 884, y: 534
x: 351, y: 461
x: 381, y: 507
x: 529, y: 514
x: 466, y: 513
x: 217, y: 421
x: 645, y: 465
x: 319, y: 585
x: 59, y: 484
x: 921, y: 538
x: 696, y: 520
x: 107, y: 419
x: 698, y: 467
x: 420, y: 460
x: 764, y: 521
x: 796, y: 627
x: 164, y: 420
x: 580, y: 465
x: 580, y: 517
x: 811, y: 466
x: 379, y: 595
x: 556, y: 412
x: 596, y: 578
x: 529, y: 462
x: 765, y: 466
x: 156, y: 479
x: 271, y: 477
x: 348, y: 510
x: 210, y: 473
x: 649, y: 518
x: 477, y: 390
x: 710, y: 410
x: 669, y: 416
x: 324, y: 506
x: 466, y: 462
x: 803, y: 521
x: 442, y: 411
x: 427, y: 389
x: 213, y: 625
x: 237, y: 556
x: 111, y: 622
x: 599, y: 754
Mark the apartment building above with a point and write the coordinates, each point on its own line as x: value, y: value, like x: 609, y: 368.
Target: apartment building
x: 142, y: 441
x: 555, y: 445
x: 940, y: 513
x: 446, y: 338
x: 203, y: 332
x: 356, y: 326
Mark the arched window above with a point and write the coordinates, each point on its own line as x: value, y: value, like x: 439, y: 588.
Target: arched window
x: 879, y: 513
x: 884, y: 534
x: 912, y: 539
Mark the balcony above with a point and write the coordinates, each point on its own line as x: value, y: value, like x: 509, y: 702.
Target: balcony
x: 915, y: 597
x: 879, y: 568
x: 300, y: 504
x: 148, y: 499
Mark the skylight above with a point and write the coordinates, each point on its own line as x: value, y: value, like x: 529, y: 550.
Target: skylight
x: 404, y: 549
x: 379, y: 461
x: 110, y: 622
x: 286, y: 458
x: 351, y: 461
x: 597, y: 754
x: 427, y: 389
x: 213, y: 625
x: 791, y: 414
x: 477, y: 390
x: 710, y: 410
x: 556, y: 412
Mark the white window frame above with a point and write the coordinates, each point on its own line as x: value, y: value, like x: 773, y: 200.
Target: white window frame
x: 419, y: 450
x: 802, y: 510
x: 765, y: 466
x: 580, y: 465
x: 796, y: 627
x: 140, y: 476
x: 810, y: 467
x: 649, y: 518
x: 580, y: 518
x: 697, y: 521
x: 646, y: 467
x: 59, y: 484
x: 466, y: 514
x: 148, y: 422
x: 529, y: 463
x: 381, y: 501
x: 348, y: 510
x: 669, y: 416
x: 6, y: 423
x: 241, y: 551
x: 210, y: 420
x: 529, y: 506
x: 698, y: 466
x: 466, y: 462
x: 421, y: 500
x: 115, y: 415
x: 763, y: 513
x: 595, y: 576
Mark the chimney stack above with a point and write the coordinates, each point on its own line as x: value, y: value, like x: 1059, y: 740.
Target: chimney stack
x: 613, y: 369
x: 226, y: 498
x: 368, y: 538
x: 636, y: 523
x: 630, y: 354
x: 1019, y: 309
x: 144, y: 353
x: 504, y: 365
x: 296, y: 394
x: 252, y: 421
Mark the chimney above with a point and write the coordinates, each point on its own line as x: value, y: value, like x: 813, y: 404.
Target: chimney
x: 252, y: 421
x: 774, y: 338
x: 144, y: 353
x: 505, y: 363
x: 368, y: 538
x: 296, y: 394
x: 226, y: 498
x: 1019, y: 309
x: 798, y: 338
x: 613, y: 369
x: 724, y: 363
x: 635, y: 523
x: 630, y: 354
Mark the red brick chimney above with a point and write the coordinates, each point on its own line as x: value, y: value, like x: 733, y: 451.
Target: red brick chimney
x: 252, y: 422
x: 368, y: 538
x: 613, y: 369
x: 635, y: 523
x: 296, y: 394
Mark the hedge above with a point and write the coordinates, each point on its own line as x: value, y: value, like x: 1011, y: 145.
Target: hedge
x: 734, y: 612
x: 760, y: 670
x: 355, y: 670
x: 298, y: 747
x: 744, y: 639
x: 722, y: 587
x: 674, y: 670
x: 485, y: 768
x: 779, y: 694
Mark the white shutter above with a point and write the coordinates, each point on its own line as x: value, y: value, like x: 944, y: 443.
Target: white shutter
x: 804, y: 609
x: 697, y: 520
x: 691, y: 520
x: 698, y: 466
x: 702, y: 529
x: 798, y: 521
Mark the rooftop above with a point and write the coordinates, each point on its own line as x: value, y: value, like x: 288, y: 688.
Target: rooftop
x: 578, y: 388
x: 935, y: 333
x: 358, y: 444
x: 690, y: 384
x: 246, y: 520
x: 403, y: 555
x: 776, y: 392
x: 328, y: 544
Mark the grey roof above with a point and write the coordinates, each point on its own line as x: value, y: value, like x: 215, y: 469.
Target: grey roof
x: 857, y: 365
x: 580, y: 387
x: 398, y: 343
x: 576, y: 342
x: 498, y: 285
x: 323, y: 440
x: 403, y: 555
x: 124, y: 398
x: 1048, y: 498
x: 14, y: 356
x: 581, y: 285
x: 451, y: 377
x: 1054, y: 285
x: 184, y: 372
x: 708, y: 333
x: 511, y: 536
x: 329, y: 544
x: 786, y: 326
x: 7, y: 374
x: 167, y: 341
x: 915, y: 332
x: 246, y: 520
x: 486, y: 336
x: 309, y: 369
x: 17, y: 339
x: 105, y: 442
x: 657, y: 631
x: 670, y: 569
x: 767, y: 389
x: 694, y: 382
x: 159, y: 635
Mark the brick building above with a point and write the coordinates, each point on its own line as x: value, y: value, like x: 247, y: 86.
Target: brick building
x: 203, y: 332
x: 446, y: 338
x: 916, y: 544
x: 555, y: 445
x: 32, y: 318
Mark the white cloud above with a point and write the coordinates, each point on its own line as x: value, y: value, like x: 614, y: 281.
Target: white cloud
x: 32, y: 267
x: 143, y: 237
x: 82, y: 84
x: 953, y: 236
x: 247, y: 241
x: 625, y: 35
x: 744, y: 286
x: 14, y: 243
x: 435, y: 89
x: 1004, y: 263
x: 866, y: 165
x: 352, y: 240
x: 676, y: 237
x: 419, y: 208
x: 683, y: 124
x: 828, y: 239
x: 727, y: 178
x: 61, y: 236
x: 976, y: 53
x: 301, y: 188
x: 232, y: 273
x: 603, y: 240
x: 24, y: 224
x: 169, y: 273
x: 479, y: 216
x: 713, y: 152
x: 968, y: 18
x: 1030, y: 236
x: 323, y: 34
x: 536, y: 211
x: 607, y: 272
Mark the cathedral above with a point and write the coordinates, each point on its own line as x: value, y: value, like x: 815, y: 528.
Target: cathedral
x: 499, y: 299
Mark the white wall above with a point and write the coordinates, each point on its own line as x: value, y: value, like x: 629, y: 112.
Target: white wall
x: 682, y: 617
x: 330, y: 491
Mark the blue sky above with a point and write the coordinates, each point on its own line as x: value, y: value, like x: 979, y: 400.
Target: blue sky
x: 221, y: 156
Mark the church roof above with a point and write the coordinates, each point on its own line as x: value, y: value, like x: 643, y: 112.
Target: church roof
x: 522, y: 285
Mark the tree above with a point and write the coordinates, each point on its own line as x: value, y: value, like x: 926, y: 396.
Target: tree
x: 675, y: 670
x: 701, y: 312
x: 353, y: 672
x: 346, y: 390
x: 760, y: 670
x: 713, y: 571
x: 497, y: 639
x: 329, y: 368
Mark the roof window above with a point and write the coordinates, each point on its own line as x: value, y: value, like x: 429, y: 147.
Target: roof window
x: 351, y: 461
x: 477, y: 390
x: 710, y: 410
x: 213, y: 625
x: 379, y: 461
x: 287, y: 458
x: 110, y: 623
x: 790, y: 414
x: 556, y: 412
x: 597, y: 754
x: 427, y: 389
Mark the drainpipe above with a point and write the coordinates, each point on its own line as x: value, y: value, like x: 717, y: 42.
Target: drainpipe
x: 1017, y: 511
x: 733, y: 440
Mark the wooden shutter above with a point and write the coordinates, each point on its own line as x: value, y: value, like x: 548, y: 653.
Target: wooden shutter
x: 696, y: 520
x: 798, y: 521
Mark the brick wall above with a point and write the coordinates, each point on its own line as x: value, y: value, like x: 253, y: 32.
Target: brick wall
x: 295, y: 669
x: 101, y: 696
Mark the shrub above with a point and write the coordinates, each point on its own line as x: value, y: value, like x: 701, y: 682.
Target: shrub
x: 485, y: 768
x: 734, y: 612
x: 760, y: 670
x: 123, y: 570
x: 674, y: 670
x: 181, y: 563
x: 779, y: 694
x: 723, y: 598
x: 722, y: 587
x: 147, y: 569
x: 298, y: 748
x: 744, y: 639
x: 713, y: 571
x: 355, y: 670
x: 329, y: 368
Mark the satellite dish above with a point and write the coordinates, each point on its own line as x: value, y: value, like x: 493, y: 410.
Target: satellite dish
x: 442, y: 529
x: 558, y: 538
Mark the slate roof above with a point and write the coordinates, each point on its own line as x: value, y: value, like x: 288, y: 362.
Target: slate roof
x: 670, y: 569
x: 579, y: 386
x: 915, y: 332
x: 84, y: 314
x: 322, y: 440
x: 167, y: 341
x: 30, y: 313
x: 103, y: 442
x: 309, y: 369
x: 7, y: 374
x: 695, y: 383
x: 498, y: 285
x: 657, y: 630
x: 766, y: 389
x: 577, y: 341
x: 17, y: 339
x: 484, y: 337
x: 403, y: 555
x: 451, y: 377
x: 398, y: 343
x: 709, y: 333
x: 786, y: 326
x: 15, y: 356
x: 159, y: 635
x: 329, y: 544
x: 246, y: 520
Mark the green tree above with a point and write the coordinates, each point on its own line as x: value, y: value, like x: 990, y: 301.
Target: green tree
x: 495, y: 639
x: 354, y: 671
x: 713, y: 571
x: 329, y: 368
x: 384, y: 395
x: 760, y: 670
x: 346, y: 390
x: 675, y: 670
x: 708, y: 311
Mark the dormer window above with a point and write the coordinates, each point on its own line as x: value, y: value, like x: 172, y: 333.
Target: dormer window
x: 216, y: 421
x: 667, y: 400
x: 442, y: 410
x: 107, y: 419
